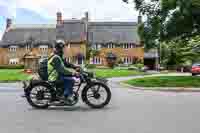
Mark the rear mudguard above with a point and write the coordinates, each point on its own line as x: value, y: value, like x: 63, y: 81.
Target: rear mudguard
x: 32, y: 83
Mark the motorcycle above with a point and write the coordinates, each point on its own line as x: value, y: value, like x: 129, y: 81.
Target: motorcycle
x: 42, y: 94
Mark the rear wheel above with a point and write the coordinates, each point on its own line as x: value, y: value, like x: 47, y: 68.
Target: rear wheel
x: 39, y: 96
x: 97, y: 95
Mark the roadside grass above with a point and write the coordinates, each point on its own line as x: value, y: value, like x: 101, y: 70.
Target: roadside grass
x: 13, y: 75
x: 9, y: 75
x: 109, y: 73
x: 166, y: 81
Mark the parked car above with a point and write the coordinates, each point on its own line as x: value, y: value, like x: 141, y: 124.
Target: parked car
x: 195, y: 69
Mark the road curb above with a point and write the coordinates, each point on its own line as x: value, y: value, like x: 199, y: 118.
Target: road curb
x: 164, y: 89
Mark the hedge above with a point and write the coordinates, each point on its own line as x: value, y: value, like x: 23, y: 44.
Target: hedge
x: 90, y: 66
x: 11, y: 66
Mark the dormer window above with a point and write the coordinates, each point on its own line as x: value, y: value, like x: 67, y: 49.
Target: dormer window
x: 13, y: 48
x: 43, y: 49
x: 97, y: 46
x: 111, y: 45
x: 68, y: 45
x: 27, y: 47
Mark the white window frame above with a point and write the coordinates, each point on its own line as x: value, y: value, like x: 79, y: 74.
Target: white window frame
x: 68, y: 45
x: 14, y: 61
x: 27, y: 47
x: 98, y: 46
x: 13, y: 48
x: 111, y: 45
x: 127, y: 60
x: 44, y: 49
x: 96, y: 60
x: 69, y: 59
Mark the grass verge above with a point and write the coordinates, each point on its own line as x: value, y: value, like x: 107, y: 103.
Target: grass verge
x: 166, y: 81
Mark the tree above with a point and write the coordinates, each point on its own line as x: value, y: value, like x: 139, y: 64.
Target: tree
x: 179, y: 53
x: 168, y: 19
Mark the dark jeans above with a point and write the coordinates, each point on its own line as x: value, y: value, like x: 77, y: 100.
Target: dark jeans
x: 68, y: 85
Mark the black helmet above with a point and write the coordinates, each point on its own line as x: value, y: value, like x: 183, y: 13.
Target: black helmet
x: 59, y: 45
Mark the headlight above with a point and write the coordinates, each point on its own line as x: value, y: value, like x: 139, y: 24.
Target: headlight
x: 84, y: 69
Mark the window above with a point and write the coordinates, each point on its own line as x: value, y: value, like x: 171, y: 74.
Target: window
x: 132, y: 45
x: 111, y: 45
x: 69, y: 59
x: 96, y: 46
x: 96, y: 60
x: 68, y: 45
x: 127, y: 60
x: 128, y: 45
x: 13, y: 61
x: 27, y: 47
x: 43, y: 49
x: 13, y: 48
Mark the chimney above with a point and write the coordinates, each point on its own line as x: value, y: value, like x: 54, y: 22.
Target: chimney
x: 59, y: 18
x: 87, y: 16
x: 86, y: 36
x: 8, y: 23
x: 139, y: 18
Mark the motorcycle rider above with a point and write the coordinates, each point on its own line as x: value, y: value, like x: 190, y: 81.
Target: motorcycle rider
x: 59, y: 69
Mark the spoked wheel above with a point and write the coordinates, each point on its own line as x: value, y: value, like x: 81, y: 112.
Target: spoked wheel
x: 97, y: 95
x: 39, y: 96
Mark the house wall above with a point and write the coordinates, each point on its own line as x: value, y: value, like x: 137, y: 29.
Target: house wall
x: 72, y: 50
x: 3, y: 56
x: 6, y: 54
x: 120, y: 53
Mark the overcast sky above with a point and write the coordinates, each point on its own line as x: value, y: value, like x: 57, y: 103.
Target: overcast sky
x: 44, y: 11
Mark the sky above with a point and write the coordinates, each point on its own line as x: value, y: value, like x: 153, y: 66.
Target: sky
x: 44, y: 11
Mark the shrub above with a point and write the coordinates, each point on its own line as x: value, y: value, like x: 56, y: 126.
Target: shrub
x: 95, y: 52
x: 102, y: 67
x: 139, y: 66
x: 133, y: 68
x: 90, y: 66
x: 120, y: 61
x: 11, y: 66
x: 111, y: 59
x: 111, y: 63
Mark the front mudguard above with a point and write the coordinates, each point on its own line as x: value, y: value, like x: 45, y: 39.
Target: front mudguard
x: 82, y: 93
x: 102, y: 80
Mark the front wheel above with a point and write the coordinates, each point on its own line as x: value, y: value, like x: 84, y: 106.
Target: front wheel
x: 193, y: 74
x: 96, y: 95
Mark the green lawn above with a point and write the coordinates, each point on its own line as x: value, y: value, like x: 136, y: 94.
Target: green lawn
x: 13, y: 75
x: 18, y: 75
x: 166, y: 81
x: 108, y: 73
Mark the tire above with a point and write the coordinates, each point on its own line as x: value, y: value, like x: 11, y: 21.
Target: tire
x: 87, y: 101
x: 193, y: 74
x: 28, y: 97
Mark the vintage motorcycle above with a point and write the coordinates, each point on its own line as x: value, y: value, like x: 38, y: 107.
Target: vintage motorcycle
x: 94, y: 91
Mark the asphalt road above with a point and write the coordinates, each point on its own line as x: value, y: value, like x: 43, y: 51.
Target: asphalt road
x: 130, y: 111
